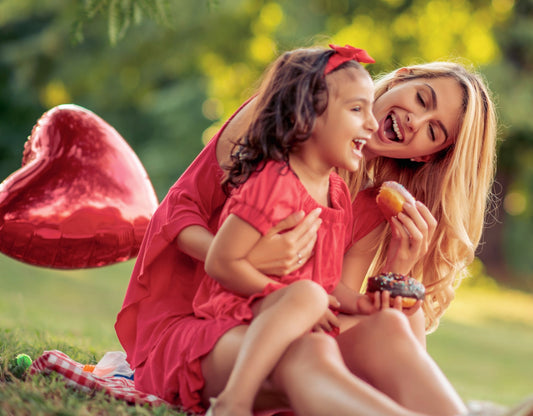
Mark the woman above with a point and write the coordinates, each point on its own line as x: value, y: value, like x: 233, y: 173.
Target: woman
x: 317, y: 374
x: 453, y: 177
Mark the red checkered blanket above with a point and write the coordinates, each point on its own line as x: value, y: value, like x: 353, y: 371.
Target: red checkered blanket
x: 72, y: 371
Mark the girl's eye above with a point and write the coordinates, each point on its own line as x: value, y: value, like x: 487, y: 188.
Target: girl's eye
x: 420, y: 100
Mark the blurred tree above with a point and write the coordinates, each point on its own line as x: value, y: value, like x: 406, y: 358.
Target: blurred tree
x: 166, y: 74
x: 508, y: 252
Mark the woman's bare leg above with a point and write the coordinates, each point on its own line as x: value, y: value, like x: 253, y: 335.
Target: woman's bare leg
x: 383, y: 350
x: 282, y: 317
x: 311, y: 376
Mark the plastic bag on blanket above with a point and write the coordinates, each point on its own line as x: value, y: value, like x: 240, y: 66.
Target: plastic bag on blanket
x: 112, y: 364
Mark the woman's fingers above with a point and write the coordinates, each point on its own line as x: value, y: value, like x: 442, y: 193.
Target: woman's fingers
x: 413, y: 234
x: 423, y: 220
x: 307, y: 228
x: 301, y: 240
x: 287, y: 245
x: 286, y: 224
x: 428, y: 218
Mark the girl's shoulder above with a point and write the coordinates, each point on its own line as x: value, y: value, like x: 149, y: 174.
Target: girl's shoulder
x: 269, y: 195
x: 270, y: 176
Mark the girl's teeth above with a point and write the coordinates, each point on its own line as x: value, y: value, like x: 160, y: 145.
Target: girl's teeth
x: 358, y: 144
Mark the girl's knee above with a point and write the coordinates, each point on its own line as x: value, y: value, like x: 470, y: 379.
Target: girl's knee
x: 308, y: 293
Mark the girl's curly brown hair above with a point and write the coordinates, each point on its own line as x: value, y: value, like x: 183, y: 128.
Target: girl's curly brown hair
x: 292, y: 95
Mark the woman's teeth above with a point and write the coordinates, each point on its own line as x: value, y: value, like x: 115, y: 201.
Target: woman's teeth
x: 396, y: 128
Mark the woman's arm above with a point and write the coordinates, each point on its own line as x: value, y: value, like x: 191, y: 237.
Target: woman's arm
x: 195, y: 241
x: 411, y: 233
x: 227, y: 262
x: 358, y: 258
x: 275, y: 253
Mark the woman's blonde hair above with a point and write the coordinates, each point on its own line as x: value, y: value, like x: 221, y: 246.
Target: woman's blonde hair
x: 455, y: 185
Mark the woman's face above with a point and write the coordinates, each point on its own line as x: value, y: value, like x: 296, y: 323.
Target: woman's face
x: 417, y: 118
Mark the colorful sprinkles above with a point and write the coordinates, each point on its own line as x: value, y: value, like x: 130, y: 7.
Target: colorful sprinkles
x: 397, y: 284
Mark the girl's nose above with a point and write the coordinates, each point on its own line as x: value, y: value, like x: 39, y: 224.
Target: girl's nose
x: 372, y: 123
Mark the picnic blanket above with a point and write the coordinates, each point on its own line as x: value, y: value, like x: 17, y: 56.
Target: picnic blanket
x: 122, y: 388
x: 118, y: 386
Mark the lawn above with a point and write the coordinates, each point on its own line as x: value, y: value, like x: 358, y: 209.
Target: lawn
x: 484, y: 344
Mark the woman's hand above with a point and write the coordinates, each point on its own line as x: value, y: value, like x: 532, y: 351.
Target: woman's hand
x: 279, y: 253
x: 373, y: 302
x: 412, y: 231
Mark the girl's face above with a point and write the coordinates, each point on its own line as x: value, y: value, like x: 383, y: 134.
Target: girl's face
x: 417, y: 118
x: 341, y: 132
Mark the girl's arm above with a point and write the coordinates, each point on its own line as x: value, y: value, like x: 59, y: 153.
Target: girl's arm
x: 275, y: 253
x: 227, y: 261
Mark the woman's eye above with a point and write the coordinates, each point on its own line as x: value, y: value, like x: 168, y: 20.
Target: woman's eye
x: 432, y: 133
x: 420, y: 99
x: 357, y: 108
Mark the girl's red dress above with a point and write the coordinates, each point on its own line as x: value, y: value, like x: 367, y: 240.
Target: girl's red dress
x: 266, y: 198
x: 156, y: 318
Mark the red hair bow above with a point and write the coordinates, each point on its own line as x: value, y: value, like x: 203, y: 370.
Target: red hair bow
x: 346, y: 53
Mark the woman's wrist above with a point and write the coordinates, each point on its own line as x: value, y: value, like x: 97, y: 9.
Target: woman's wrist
x: 195, y: 241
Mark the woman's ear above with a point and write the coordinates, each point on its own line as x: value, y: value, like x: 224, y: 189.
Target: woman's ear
x: 399, y: 76
x: 421, y: 159
x: 404, y: 71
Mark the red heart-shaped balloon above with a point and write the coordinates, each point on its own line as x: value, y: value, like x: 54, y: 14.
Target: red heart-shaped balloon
x: 81, y: 199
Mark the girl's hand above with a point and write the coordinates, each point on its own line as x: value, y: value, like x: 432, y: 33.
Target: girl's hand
x: 412, y: 231
x: 279, y: 253
x: 373, y: 302
x: 329, y: 320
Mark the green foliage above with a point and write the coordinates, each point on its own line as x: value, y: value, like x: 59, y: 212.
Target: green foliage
x: 120, y: 14
x: 167, y: 74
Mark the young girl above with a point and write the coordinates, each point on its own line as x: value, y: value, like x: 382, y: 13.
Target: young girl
x: 313, y: 114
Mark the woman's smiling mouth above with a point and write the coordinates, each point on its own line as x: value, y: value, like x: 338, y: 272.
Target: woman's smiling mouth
x: 391, y: 129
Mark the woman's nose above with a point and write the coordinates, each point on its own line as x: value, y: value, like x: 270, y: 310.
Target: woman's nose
x: 414, y: 121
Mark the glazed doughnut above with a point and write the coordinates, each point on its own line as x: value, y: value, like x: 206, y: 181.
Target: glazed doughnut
x: 391, y: 198
x: 408, y: 288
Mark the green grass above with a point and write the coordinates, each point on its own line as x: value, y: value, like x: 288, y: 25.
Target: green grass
x: 484, y: 344
x: 71, y: 311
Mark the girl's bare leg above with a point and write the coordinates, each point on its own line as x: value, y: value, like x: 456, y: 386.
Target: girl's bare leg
x: 383, y: 350
x: 310, y: 377
x: 283, y: 316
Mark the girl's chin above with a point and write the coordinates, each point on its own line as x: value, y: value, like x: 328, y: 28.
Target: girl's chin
x: 369, y: 154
